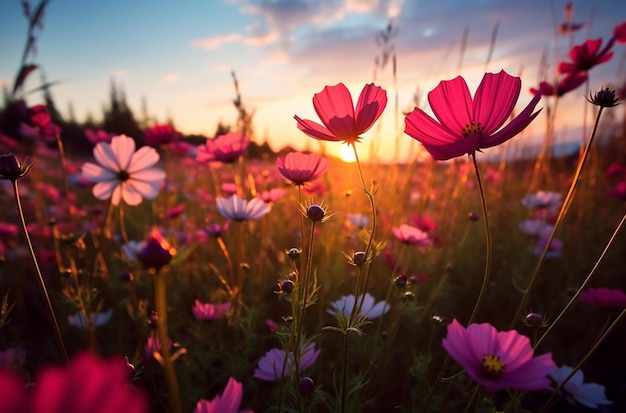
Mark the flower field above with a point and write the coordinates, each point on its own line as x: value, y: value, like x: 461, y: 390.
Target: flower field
x: 156, y: 273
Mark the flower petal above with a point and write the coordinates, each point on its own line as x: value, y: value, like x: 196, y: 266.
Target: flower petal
x: 514, y: 127
x: 452, y: 104
x: 144, y: 158
x: 371, y: 104
x: 495, y: 100
x: 104, y: 190
x: 123, y: 147
x: 315, y: 130
x: 335, y: 109
x: 96, y: 173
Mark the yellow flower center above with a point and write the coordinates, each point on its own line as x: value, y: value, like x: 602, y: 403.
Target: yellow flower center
x: 492, y: 365
x: 472, y: 128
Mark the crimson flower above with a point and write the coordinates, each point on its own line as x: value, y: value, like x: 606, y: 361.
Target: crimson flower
x: 300, y: 167
x: 466, y: 125
x: 161, y: 135
x: 341, y: 120
x: 567, y: 84
x: 604, y: 297
x: 498, y: 359
x: 225, y: 148
x: 90, y: 385
x: 619, y: 33
x: 587, y: 55
x: 227, y: 402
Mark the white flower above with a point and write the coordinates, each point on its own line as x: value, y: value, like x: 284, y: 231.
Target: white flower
x: 239, y: 209
x: 370, y: 310
x: 79, y: 320
x: 543, y: 199
x: 122, y: 173
x: 588, y: 394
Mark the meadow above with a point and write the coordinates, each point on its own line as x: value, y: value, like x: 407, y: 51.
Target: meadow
x: 178, y: 276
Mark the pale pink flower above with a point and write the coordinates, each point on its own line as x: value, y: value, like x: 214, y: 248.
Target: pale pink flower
x: 588, y: 394
x: 498, y: 360
x: 227, y: 402
x: 342, y: 122
x: 300, y: 167
x: 465, y: 125
x: 208, y: 311
x: 272, y: 195
x: 226, y: 148
x: 122, y: 173
x: 410, y: 235
x: 604, y: 297
x: 271, y: 364
x: 237, y: 209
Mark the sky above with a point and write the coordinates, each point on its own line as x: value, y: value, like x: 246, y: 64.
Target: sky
x: 178, y: 56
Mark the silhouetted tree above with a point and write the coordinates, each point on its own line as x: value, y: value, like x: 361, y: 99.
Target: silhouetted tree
x: 118, y: 118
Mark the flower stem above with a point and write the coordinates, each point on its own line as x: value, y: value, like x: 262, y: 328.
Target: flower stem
x: 564, y: 208
x: 585, y: 282
x: 486, y: 276
x: 53, y: 318
x: 160, y: 289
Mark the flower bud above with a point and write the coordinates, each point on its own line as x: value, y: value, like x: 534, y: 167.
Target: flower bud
x: 12, y: 168
x: 315, y: 213
x: 306, y: 385
x: 287, y: 286
x: 156, y: 252
x: 359, y: 258
x: 400, y: 280
x: 294, y: 253
x: 473, y: 216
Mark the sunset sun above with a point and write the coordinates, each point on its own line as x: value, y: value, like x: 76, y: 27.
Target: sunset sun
x: 347, y: 153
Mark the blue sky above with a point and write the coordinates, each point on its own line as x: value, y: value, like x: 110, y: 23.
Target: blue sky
x: 178, y: 55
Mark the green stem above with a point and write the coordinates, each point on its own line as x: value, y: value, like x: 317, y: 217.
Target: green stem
x: 53, y: 318
x: 160, y: 289
x: 564, y: 208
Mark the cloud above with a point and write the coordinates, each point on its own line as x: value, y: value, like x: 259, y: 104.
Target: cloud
x: 171, y: 78
x: 211, y: 43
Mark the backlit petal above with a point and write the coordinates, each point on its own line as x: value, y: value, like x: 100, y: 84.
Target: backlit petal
x: 372, y: 101
x: 96, y: 173
x: 145, y: 157
x: 495, y: 99
x: 104, y: 190
x: 513, y: 127
x: 315, y: 130
x: 451, y: 103
x: 123, y: 147
x: 104, y: 155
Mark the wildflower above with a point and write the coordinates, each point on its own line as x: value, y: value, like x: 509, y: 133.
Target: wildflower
x: 122, y: 173
x: 467, y: 125
x: 79, y: 320
x: 604, y: 297
x: 272, y: 195
x: 12, y: 357
x: 369, y: 309
x: 300, y: 168
x: 306, y: 385
x: 534, y: 227
x: 587, y: 55
x: 534, y: 320
x: 227, y: 402
x: 556, y: 246
x: 270, y: 366
x: 543, y: 199
x: 570, y: 82
x: 619, y: 33
x: 605, y: 98
x: 341, y: 120
x: 161, y: 135
x: 358, y: 220
x: 567, y: 26
x: 216, y: 230
x: 424, y: 223
x: 155, y: 252
x: 11, y: 168
x: 153, y: 346
x: 588, y: 394
x: 618, y: 191
x: 226, y: 148
x: 498, y: 359
x: 238, y: 209
x: 208, y: 311
x: 96, y: 136
x: 410, y: 235
x: 90, y: 384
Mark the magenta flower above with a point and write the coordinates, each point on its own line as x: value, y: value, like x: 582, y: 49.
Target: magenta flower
x: 618, y: 191
x: 341, y: 120
x: 89, y: 385
x: 98, y: 135
x: 216, y: 230
x: 567, y: 84
x: 411, y: 235
x: 466, y: 125
x: 587, y: 55
x: 227, y: 402
x: 272, y: 195
x: 619, y: 33
x: 153, y: 347
x: 498, y: 359
x: 237, y: 209
x: 208, y: 311
x: 161, y: 135
x: 300, y: 167
x: 271, y: 364
x: 226, y: 148
x: 122, y: 173
x: 604, y: 297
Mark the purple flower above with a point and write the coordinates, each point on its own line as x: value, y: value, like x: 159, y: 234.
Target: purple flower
x: 208, y: 311
x: 604, y: 297
x: 271, y: 364
x: 369, y: 309
x: 498, y: 359
x: 588, y: 394
x: 227, y: 402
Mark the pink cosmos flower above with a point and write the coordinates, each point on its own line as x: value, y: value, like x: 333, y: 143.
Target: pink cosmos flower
x: 411, y: 235
x: 618, y: 191
x: 96, y: 136
x: 122, y: 173
x: 341, y: 120
x: 498, y: 359
x: 237, y: 209
x: 604, y: 297
x: 161, y: 135
x: 466, y: 125
x: 300, y: 167
x: 89, y: 385
x: 225, y: 148
x: 567, y: 84
x: 568, y: 26
x: 271, y: 364
x: 587, y: 55
x: 153, y: 345
x: 227, y: 402
x: 208, y: 311
x: 272, y: 195
x: 216, y: 230
x: 619, y: 33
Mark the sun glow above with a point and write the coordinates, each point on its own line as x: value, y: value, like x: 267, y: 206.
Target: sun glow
x: 347, y: 154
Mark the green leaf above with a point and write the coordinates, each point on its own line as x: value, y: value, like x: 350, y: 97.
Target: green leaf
x: 183, y: 255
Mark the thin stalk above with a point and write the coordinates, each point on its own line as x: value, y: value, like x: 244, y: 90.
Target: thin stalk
x: 584, y: 359
x: 306, y: 281
x: 559, y: 220
x: 585, y: 282
x: 160, y: 289
x: 53, y: 318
